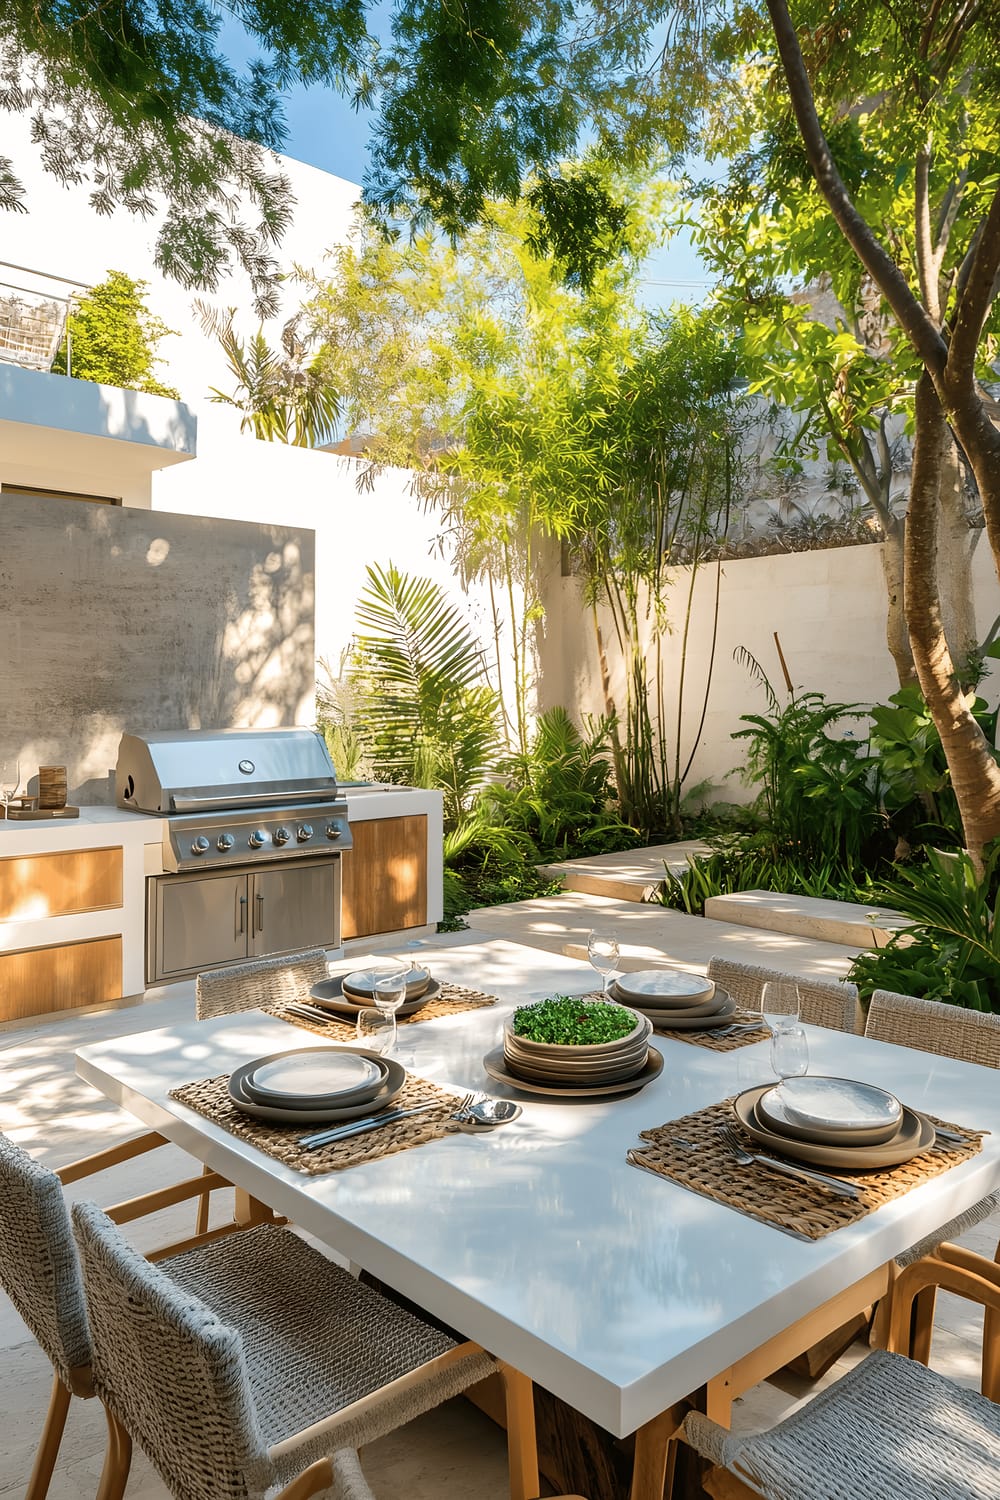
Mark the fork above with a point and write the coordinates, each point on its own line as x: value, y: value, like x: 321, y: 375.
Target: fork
x: 745, y: 1158
x: 374, y: 1122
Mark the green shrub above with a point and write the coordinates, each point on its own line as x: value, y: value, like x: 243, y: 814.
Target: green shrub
x: 952, y: 950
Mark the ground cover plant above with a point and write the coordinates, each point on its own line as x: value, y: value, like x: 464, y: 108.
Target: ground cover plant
x: 568, y: 1021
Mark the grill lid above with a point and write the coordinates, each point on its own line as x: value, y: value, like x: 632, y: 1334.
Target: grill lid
x: 198, y: 771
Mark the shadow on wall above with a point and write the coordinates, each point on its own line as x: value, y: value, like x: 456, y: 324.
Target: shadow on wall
x: 130, y: 619
x: 42, y: 399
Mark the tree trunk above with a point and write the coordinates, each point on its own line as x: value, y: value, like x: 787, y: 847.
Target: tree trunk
x: 894, y: 571
x: 975, y: 774
x: 955, y: 547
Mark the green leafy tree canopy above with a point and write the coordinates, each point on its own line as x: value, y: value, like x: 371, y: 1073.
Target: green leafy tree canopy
x: 114, y: 337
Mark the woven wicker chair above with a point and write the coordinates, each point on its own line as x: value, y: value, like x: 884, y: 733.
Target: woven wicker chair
x: 259, y: 983
x: 890, y: 1430
x: 40, y: 1274
x: 820, y: 1002
x: 254, y: 1362
x: 947, y: 1031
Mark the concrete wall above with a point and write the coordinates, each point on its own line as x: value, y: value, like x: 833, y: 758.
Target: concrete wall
x: 828, y: 608
x: 112, y: 617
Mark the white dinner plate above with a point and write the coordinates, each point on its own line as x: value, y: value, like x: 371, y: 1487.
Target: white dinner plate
x: 333, y: 1074
x: 316, y: 1114
x: 835, y: 1104
x: 676, y: 985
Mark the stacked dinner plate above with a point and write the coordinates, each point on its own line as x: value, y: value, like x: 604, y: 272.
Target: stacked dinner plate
x: 347, y: 994
x: 834, y: 1122
x: 316, y: 1084
x: 592, y: 1065
x: 675, y: 1000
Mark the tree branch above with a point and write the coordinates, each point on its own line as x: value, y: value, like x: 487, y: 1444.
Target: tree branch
x: 975, y: 297
x: 926, y: 267
x: 912, y: 318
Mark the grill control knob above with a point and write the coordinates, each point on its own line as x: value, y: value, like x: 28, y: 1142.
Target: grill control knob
x: 304, y: 832
x: 226, y: 842
x: 281, y: 836
x: 200, y: 845
x: 258, y: 838
x: 333, y: 830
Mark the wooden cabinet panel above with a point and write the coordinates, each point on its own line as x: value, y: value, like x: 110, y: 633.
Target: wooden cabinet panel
x: 385, y: 876
x: 54, y: 885
x: 34, y: 981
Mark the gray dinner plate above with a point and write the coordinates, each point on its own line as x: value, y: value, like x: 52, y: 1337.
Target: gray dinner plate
x: 361, y: 983
x: 375, y: 1069
x: 329, y: 995
x: 672, y: 1021
x: 837, y: 1104
x: 495, y: 1066
x: 666, y: 1007
x: 914, y: 1135
x: 315, y: 1115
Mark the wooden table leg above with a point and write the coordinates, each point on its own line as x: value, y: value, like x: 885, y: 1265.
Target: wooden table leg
x: 655, y: 1455
x: 522, y: 1445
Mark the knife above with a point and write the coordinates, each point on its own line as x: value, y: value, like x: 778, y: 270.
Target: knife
x: 359, y: 1127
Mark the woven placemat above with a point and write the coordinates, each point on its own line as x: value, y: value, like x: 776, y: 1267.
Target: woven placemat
x: 452, y: 999
x: 802, y: 1209
x: 211, y: 1098
x: 760, y: 1033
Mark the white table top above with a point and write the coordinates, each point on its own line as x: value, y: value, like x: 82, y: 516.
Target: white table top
x: 618, y: 1292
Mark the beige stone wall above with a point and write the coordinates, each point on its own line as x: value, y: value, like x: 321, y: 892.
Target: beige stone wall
x: 828, y: 608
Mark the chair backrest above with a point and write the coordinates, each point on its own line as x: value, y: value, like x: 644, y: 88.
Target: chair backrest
x: 259, y: 983
x: 39, y: 1269
x: 820, y: 1002
x: 935, y: 1026
x: 169, y: 1370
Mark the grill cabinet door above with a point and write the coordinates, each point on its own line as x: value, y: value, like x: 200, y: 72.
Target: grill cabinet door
x: 199, y: 923
x: 295, y: 906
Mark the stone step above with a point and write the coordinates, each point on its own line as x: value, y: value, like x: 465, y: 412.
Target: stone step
x: 648, y: 933
x: 633, y: 875
x: 809, y: 916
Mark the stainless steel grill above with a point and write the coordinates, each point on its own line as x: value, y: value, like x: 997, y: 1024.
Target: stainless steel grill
x: 234, y: 796
x: 254, y: 829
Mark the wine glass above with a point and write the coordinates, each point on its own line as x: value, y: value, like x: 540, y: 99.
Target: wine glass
x: 389, y: 980
x: 778, y: 1004
x: 789, y: 1051
x: 603, y: 954
x: 10, y: 780
x: 375, y: 1030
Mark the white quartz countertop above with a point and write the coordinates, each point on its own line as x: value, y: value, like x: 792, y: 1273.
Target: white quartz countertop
x: 94, y: 827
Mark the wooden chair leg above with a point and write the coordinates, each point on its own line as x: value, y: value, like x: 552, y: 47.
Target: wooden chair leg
x: 204, y: 1208
x: 922, y: 1325
x: 48, y: 1446
x: 117, y: 1461
x: 522, y: 1444
x: 312, y: 1481
x: 878, y: 1337
x: 722, y: 1485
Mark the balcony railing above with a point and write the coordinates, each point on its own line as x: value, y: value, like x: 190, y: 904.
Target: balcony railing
x: 33, y: 319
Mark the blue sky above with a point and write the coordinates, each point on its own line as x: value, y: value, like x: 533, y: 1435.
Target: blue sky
x: 325, y: 132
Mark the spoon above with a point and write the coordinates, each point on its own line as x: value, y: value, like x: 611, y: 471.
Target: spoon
x: 487, y: 1114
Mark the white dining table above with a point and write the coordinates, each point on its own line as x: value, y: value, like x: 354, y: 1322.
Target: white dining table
x: 619, y: 1292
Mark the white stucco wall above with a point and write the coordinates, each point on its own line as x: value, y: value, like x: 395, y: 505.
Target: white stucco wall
x: 62, y: 235
x: 828, y: 608
x: 238, y: 477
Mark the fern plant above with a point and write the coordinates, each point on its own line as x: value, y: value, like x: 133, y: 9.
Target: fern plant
x: 952, y: 950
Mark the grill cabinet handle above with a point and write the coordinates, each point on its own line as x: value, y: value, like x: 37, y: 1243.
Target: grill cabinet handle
x: 241, y: 915
x: 260, y: 912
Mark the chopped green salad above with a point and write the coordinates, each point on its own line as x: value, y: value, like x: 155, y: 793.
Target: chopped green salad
x: 572, y: 1022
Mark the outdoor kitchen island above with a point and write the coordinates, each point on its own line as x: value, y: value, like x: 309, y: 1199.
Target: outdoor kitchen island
x: 73, y: 894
